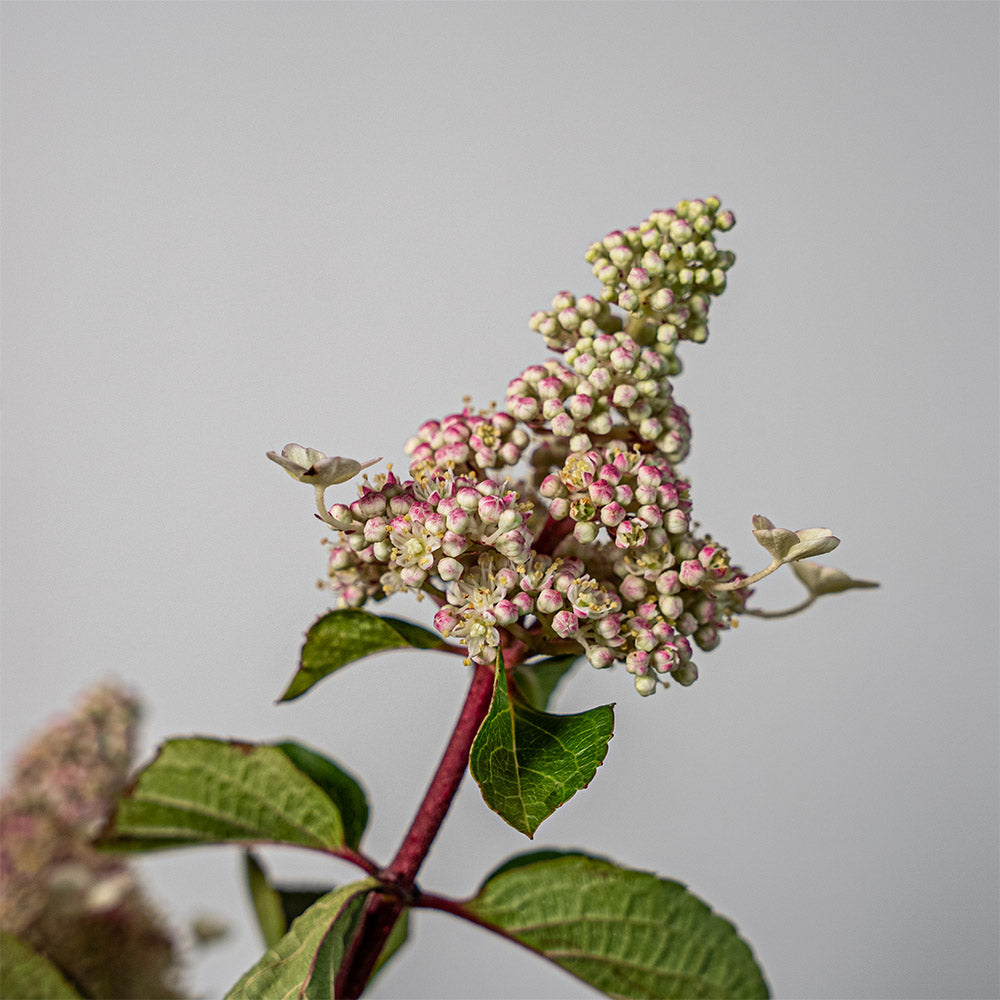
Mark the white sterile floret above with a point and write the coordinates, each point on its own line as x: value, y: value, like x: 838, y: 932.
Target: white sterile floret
x: 787, y: 546
x: 819, y: 579
x: 308, y: 465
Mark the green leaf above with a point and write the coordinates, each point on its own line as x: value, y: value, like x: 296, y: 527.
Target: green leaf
x: 296, y: 899
x: 537, y: 681
x: 25, y: 974
x: 204, y: 791
x: 528, y: 763
x: 627, y: 933
x: 304, y: 963
x: 266, y: 901
x: 341, y: 637
x: 277, y: 907
x: 342, y: 788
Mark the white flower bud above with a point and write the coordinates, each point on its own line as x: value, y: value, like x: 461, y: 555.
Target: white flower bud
x: 645, y: 685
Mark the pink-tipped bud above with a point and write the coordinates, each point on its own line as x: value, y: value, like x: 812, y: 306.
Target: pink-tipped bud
x: 454, y: 544
x: 549, y: 601
x: 505, y: 612
x: 559, y: 508
x: 524, y: 604
x: 450, y: 569
x: 600, y: 657
x: 580, y: 406
x: 613, y: 514
x: 671, y: 606
x: 633, y: 588
x: 376, y: 529
x: 563, y: 425
x: 565, y: 623
x: 637, y: 662
x: 692, y: 573
x: 601, y: 492
x: 650, y: 514
x: 523, y: 407
x: 445, y: 620
x: 676, y: 521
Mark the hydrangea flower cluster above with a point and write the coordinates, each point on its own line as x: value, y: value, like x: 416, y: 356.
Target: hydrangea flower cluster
x: 561, y: 524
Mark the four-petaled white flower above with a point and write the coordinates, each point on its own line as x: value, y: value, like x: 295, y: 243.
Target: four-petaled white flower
x: 308, y: 465
x: 787, y: 546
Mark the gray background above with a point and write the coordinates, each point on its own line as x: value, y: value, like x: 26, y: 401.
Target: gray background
x: 231, y: 226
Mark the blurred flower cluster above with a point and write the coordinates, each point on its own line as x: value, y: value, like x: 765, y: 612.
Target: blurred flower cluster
x: 81, y: 909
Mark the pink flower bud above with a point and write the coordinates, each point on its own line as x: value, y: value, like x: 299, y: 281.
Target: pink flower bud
x: 550, y: 388
x: 609, y: 628
x: 686, y: 624
x: 580, y: 406
x: 637, y: 662
x: 445, y: 620
x: 523, y: 407
x: 549, y: 601
x: 369, y: 505
x: 613, y: 514
x: 524, y: 604
x: 644, y: 639
x: 552, y: 486
x: 600, y: 657
x: 505, y: 612
x: 468, y: 498
x: 454, y: 544
x: 676, y: 521
x: 563, y: 425
x: 342, y: 514
x: 692, y: 573
x: 645, y: 494
x: 650, y: 515
x: 600, y: 423
x: 458, y: 521
x: 601, y: 492
x: 450, y: 569
x: 509, y: 520
x: 340, y: 557
x: 671, y: 607
x: 515, y: 545
x: 559, y: 508
x: 412, y: 576
x: 552, y: 408
x: 707, y: 637
x: 633, y: 588
x: 564, y: 624
x: 621, y: 257
x: 376, y: 529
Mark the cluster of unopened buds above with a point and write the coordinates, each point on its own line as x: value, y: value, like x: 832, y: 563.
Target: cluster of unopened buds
x: 561, y: 524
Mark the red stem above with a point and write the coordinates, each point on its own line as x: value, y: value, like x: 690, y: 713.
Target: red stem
x: 383, y: 910
x: 404, y: 866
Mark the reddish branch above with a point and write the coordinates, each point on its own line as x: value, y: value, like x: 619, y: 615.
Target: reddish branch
x: 383, y: 909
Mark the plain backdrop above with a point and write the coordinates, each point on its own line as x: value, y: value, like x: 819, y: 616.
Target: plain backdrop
x: 230, y: 226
